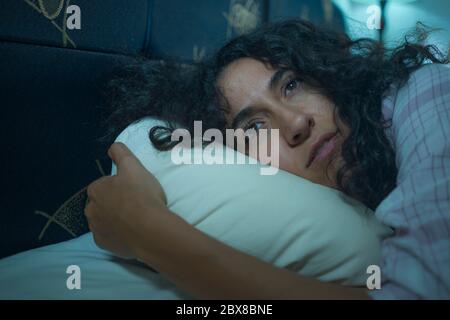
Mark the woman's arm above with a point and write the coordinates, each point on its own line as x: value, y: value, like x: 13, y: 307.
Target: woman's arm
x: 209, y: 269
x: 127, y: 215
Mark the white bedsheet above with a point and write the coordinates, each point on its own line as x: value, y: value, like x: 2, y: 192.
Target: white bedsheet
x: 41, y: 274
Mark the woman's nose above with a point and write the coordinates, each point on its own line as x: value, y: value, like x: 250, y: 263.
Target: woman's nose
x: 296, y: 127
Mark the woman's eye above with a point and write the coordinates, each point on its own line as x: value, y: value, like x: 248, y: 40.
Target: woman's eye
x: 291, y: 86
x: 257, y: 125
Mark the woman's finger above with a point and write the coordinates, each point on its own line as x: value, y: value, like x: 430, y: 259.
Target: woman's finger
x: 124, y: 159
x: 97, y: 185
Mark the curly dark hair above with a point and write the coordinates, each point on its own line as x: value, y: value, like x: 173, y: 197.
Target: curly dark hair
x: 354, y: 74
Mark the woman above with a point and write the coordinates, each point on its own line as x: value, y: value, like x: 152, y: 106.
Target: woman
x: 325, y: 93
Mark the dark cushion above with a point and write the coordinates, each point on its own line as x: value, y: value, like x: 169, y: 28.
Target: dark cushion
x: 192, y: 29
x: 320, y: 12
x: 50, y: 99
x: 110, y: 26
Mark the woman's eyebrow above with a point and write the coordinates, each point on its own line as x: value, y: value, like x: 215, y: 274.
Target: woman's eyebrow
x: 276, y: 78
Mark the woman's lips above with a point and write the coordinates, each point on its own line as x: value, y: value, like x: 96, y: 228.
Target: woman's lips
x: 323, y: 148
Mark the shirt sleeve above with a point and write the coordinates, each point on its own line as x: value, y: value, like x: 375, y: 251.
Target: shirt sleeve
x: 416, y: 260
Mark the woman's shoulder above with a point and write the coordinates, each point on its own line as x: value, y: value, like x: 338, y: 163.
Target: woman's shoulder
x: 419, y: 113
x: 423, y: 79
x: 424, y: 87
x: 433, y: 70
x: 427, y: 77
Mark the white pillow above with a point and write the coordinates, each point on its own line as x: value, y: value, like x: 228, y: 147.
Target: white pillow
x: 282, y: 218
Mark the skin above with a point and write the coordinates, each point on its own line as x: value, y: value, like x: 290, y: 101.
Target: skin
x: 128, y: 216
x: 301, y: 114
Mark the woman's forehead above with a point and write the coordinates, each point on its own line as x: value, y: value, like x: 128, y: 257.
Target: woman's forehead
x: 244, y: 80
x: 244, y: 68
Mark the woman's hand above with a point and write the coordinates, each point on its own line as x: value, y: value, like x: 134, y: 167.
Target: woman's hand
x: 120, y: 205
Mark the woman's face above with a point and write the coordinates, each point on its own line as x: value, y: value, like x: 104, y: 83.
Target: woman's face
x: 260, y: 97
